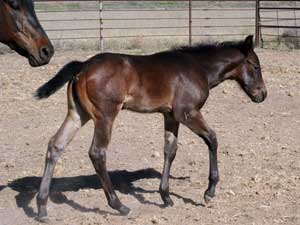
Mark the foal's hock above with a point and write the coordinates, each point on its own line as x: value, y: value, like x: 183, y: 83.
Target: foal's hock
x: 175, y: 83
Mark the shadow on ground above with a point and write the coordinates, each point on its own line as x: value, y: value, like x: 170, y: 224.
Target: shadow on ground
x: 27, y: 187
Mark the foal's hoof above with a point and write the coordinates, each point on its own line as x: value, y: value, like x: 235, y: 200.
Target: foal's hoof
x: 208, y: 197
x: 168, y: 202
x: 42, y: 219
x: 42, y: 215
x: 124, y: 211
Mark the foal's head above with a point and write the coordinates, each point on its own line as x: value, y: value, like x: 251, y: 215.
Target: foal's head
x: 21, y: 31
x: 248, y: 73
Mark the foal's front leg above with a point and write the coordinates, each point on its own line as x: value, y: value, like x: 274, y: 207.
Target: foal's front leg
x: 171, y: 133
x: 97, y: 155
x: 194, y: 120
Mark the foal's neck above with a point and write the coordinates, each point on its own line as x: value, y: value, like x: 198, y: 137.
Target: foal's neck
x: 221, y: 70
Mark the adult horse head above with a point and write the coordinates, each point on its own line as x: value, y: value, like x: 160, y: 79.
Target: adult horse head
x: 22, y: 32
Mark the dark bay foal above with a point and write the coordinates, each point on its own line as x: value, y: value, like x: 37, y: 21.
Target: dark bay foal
x: 21, y: 31
x: 175, y: 83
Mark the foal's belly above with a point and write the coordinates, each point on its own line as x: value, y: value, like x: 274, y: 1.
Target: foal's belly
x: 143, y: 105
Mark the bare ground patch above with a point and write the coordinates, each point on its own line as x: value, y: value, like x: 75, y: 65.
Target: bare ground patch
x: 259, y: 154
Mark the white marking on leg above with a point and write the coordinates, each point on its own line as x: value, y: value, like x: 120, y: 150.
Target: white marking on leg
x: 170, y: 138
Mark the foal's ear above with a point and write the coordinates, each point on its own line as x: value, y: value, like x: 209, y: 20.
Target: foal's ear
x: 248, y: 44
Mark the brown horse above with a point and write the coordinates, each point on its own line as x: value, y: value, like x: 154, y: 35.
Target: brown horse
x: 175, y: 83
x: 22, y: 32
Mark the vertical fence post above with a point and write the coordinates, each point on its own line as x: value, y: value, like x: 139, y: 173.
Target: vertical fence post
x: 296, y: 39
x: 278, y: 30
x: 101, y: 25
x: 257, y: 23
x: 190, y: 22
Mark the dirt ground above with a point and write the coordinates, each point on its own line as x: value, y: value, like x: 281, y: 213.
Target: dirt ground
x: 259, y: 154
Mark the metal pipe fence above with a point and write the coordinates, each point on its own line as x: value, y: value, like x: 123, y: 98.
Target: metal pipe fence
x: 279, y: 23
x: 133, y: 24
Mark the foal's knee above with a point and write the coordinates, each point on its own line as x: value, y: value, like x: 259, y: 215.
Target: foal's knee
x: 54, y: 150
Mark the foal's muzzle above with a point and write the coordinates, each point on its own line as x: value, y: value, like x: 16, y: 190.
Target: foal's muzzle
x: 259, y: 97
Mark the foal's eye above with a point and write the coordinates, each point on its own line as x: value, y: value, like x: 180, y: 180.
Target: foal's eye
x: 256, y: 67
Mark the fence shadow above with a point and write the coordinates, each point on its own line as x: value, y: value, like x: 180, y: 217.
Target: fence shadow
x: 27, y: 187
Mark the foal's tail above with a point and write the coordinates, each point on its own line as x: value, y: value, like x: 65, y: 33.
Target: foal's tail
x: 63, y: 76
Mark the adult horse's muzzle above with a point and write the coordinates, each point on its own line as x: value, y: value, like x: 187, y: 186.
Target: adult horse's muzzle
x: 43, y: 56
x: 38, y: 52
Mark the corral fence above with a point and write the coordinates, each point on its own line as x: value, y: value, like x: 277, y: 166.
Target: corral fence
x: 278, y: 23
x: 156, y: 24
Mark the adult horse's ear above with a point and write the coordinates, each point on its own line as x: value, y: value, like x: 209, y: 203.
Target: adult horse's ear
x: 248, y: 44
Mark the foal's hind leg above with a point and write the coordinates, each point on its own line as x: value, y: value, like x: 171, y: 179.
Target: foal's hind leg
x: 171, y: 132
x: 97, y: 153
x: 57, y: 143
x: 194, y: 120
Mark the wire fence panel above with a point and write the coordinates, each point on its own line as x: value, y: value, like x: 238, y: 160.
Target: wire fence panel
x: 279, y: 23
x: 223, y: 20
x: 70, y: 24
x: 160, y: 24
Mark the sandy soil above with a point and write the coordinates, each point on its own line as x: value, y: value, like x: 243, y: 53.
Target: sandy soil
x: 259, y: 154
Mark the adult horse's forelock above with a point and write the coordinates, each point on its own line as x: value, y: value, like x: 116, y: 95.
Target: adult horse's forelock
x: 22, y: 32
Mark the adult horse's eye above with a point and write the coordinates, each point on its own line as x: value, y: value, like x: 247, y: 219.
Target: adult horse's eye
x: 13, y: 3
x: 20, y: 26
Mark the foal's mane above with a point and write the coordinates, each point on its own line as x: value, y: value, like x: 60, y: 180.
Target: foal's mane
x: 208, y: 46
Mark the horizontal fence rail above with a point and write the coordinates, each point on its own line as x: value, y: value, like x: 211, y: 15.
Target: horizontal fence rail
x: 279, y: 23
x: 135, y: 24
